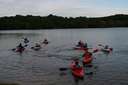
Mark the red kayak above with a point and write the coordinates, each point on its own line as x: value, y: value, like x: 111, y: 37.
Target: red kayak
x: 77, y: 71
x: 87, y: 59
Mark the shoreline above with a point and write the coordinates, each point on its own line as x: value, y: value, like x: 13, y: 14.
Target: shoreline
x: 61, y: 28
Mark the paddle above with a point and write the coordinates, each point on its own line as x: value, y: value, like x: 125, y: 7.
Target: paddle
x: 88, y: 65
x: 89, y: 73
x: 45, y: 43
x: 13, y: 49
x: 100, y: 45
x: 63, y: 69
x: 93, y: 50
x: 25, y: 45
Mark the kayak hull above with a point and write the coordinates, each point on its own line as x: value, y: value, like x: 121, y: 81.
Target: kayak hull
x: 77, y: 72
x: 87, y: 60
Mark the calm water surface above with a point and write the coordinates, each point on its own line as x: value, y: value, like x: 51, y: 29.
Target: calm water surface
x: 42, y: 67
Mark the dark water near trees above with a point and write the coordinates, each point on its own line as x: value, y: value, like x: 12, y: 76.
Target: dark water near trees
x: 42, y: 67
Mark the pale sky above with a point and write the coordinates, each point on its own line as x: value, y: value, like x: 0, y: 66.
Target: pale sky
x: 74, y: 8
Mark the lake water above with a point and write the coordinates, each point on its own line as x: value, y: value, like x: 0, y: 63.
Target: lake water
x: 42, y: 67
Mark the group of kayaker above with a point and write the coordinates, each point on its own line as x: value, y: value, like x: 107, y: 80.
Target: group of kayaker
x: 21, y: 47
x: 76, y: 68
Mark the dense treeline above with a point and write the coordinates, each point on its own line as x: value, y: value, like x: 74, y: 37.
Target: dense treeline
x: 52, y: 21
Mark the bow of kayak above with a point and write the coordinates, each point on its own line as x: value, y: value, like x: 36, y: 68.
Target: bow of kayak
x: 87, y: 58
x: 77, y: 71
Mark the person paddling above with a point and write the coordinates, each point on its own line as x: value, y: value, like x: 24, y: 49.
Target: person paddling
x: 80, y: 43
x: 26, y: 41
x: 45, y: 41
x: 106, y: 47
x: 77, y: 70
x: 20, y: 48
x: 85, y: 45
x: 76, y: 64
x: 37, y: 45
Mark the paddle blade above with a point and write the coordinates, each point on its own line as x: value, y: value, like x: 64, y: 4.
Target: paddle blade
x: 13, y: 49
x: 89, y: 65
x: 100, y: 45
x: 63, y: 69
x: 89, y: 73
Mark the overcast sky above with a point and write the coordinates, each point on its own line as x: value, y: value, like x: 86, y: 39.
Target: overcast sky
x: 90, y: 8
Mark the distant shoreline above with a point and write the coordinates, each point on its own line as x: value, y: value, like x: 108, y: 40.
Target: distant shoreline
x: 30, y: 22
x: 62, y: 28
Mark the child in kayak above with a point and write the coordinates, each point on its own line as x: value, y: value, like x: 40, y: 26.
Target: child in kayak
x: 80, y: 44
x: 77, y: 70
x: 37, y: 45
x: 45, y: 41
x: 107, y: 49
x: 26, y: 40
x: 85, y: 45
x: 20, y: 48
x: 76, y: 64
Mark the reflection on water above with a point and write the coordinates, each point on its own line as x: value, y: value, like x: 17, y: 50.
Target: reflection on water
x: 42, y: 67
